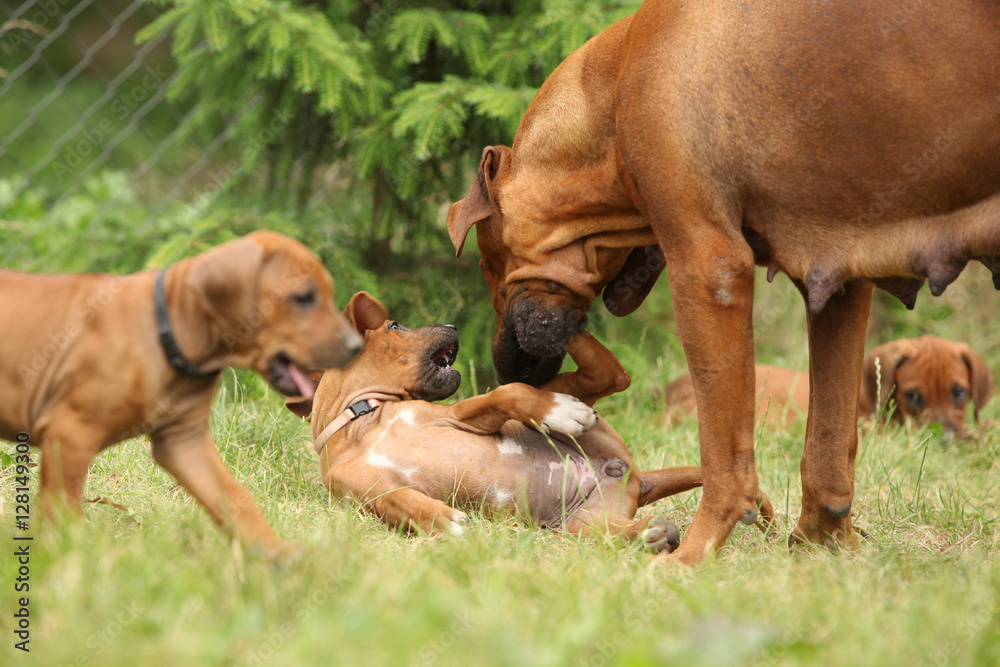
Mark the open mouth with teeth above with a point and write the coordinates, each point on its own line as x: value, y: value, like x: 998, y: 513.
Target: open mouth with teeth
x: 438, y: 379
x: 444, y: 357
x: 289, y: 378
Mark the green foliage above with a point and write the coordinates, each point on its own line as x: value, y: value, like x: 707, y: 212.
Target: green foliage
x: 102, y: 227
x: 405, y: 97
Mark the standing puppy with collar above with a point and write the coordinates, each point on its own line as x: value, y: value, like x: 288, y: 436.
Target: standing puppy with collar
x: 89, y: 360
x: 381, y: 442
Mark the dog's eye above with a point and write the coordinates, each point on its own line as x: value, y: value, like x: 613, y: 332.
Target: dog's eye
x: 394, y: 325
x: 305, y: 299
x: 914, y: 398
x: 959, y: 394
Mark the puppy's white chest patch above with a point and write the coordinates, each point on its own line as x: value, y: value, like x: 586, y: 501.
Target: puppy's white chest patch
x: 379, y: 460
x: 382, y: 461
x: 405, y: 415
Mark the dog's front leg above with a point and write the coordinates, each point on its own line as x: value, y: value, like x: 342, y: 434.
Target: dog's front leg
x: 598, y: 373
x: 550, y: 412
x: 836, y: 354
x: 192, y: 458
x: 712, y: 281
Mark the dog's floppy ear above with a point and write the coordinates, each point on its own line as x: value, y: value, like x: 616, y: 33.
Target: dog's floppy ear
x: 225, y: 279
x: 980, y: 379
x: 365, y: 312
x: 478, y: 203
x: 631, y: 286
x: 890, y: 356
x: 303, y: 407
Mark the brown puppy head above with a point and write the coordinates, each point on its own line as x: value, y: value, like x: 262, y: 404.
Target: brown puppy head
x: 930, y: 379
x: 544, y: 264
x: 269, y: 304
x: 413, y: 364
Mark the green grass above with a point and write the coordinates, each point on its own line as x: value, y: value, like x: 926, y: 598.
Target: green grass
x: 159, y: 585
x: 156, y: 584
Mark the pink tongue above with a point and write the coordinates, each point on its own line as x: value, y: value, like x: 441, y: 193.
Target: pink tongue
x: 304, y: 384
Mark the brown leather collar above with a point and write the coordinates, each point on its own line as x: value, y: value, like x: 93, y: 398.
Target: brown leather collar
x: 366, y: 403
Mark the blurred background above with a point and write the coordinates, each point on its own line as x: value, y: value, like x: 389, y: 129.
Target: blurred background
x: 133, y: 134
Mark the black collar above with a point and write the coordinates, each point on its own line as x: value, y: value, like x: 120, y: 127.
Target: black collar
x: 167, y: 340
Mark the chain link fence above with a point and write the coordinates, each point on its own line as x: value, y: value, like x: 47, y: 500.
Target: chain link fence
x: 79, y: 99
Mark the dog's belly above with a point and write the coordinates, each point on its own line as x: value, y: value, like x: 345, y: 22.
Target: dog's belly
x: 546, y: 477
x: 848, y: 140
x: 519, y: 470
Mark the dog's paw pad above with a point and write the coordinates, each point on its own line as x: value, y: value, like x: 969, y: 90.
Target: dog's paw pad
x: 458, y: 524
x: 661, y: 535
x: 569, y: 415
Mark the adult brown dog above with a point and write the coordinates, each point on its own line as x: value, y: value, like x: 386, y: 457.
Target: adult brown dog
x: 929, y: 379
x: 382, y: 443
x: 842, y: 143
x: 90, y: 360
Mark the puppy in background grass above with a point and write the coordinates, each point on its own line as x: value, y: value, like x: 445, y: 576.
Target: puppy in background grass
x: 926, y: 380
x: 929, y: 379
x: 89, y: 360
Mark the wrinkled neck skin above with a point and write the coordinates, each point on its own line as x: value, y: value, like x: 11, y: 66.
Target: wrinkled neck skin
x: 572, y: 204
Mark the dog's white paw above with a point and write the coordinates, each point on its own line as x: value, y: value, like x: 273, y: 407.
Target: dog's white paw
x: 458, y: 524
x: 569, y: 415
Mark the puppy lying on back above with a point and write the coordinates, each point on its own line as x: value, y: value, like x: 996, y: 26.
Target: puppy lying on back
x: 928, y: 379
x: 417, y: 464
x: 89, y: 360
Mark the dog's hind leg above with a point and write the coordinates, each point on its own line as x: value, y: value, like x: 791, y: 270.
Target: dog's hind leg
x: 610, y: 509
x: 67, y: 448
x: 659, y: 484
x: 836, y: 354
x: 656, y: 533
